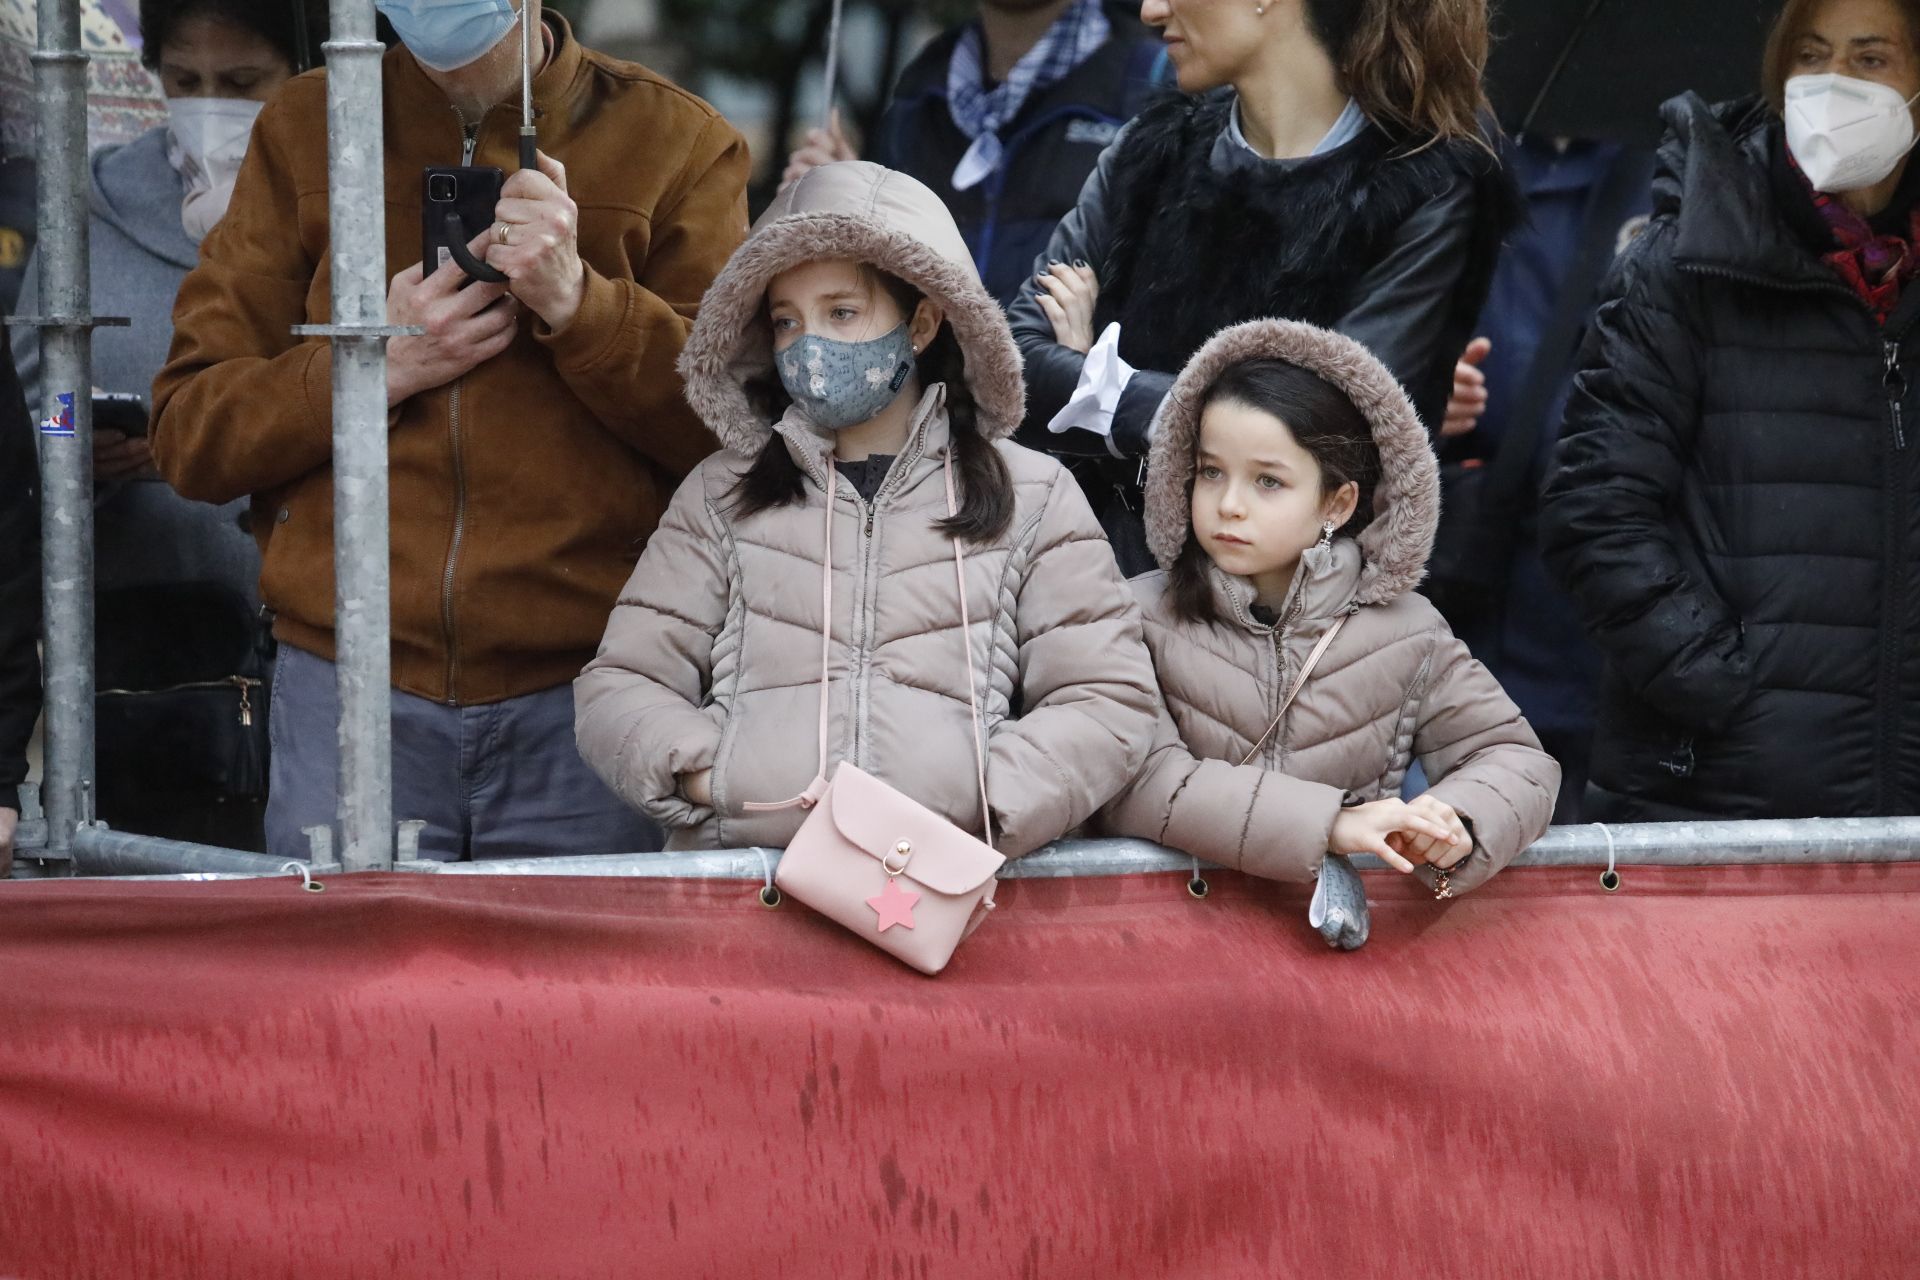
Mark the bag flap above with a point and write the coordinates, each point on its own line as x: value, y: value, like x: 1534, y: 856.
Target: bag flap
x: 876, y: 818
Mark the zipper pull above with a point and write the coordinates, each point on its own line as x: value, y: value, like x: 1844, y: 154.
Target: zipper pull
x: 869, y: 522
x: 1894, y: 380
x: 246, y: 703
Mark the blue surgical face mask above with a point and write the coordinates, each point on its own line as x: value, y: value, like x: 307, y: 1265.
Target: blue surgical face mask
x: 843, y: 384
x: 448, y: 34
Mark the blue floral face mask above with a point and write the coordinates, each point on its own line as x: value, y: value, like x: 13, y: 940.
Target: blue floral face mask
x: 448, y: 34
x: 842, y: 384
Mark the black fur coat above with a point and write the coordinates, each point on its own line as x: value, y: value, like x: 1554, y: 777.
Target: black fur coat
x: 1195, y: 249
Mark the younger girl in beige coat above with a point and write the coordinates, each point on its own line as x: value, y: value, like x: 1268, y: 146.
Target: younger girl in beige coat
x: 1291, y: 491
x: 853, y: 366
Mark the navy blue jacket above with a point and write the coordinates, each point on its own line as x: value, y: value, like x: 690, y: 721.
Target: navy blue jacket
x: 1050, y: 147
x: 1532, y: 640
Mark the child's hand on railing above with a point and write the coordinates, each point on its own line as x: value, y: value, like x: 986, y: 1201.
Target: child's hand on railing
x: 1442, y: 853
x: 1379, y: 827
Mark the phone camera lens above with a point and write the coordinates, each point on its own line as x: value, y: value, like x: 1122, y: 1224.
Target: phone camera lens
x: 441, y: 188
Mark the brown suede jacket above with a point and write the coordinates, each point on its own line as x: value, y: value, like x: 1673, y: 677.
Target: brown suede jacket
x: 522, y: 492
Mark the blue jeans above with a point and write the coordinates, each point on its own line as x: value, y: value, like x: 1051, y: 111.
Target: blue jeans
x: 502, y: 780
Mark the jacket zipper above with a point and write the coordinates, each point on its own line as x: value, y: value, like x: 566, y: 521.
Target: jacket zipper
x: 1276, y: 635
x: 862, y: 623
x: 447, y: 621
x: 245, y: 684
x: 1280, y: 632
x: 866, y: 512
x: 470, y: 141
x: 1892, y: 602
x: 1894, y: 380
x: 1890, y: 797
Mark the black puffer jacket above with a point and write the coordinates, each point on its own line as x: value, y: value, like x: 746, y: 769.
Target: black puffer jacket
x: 1735, y: 506
x: 1387, y: 241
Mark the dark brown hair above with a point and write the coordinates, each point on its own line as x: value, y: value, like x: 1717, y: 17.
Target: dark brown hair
x: 984, y: 487
x: 1412, y: 64
x: 290, y: 33
x: 1776, y: 64
x: 1323, y: 421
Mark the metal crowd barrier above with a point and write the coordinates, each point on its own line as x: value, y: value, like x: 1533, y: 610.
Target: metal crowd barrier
x: 66, y: 839
x: 97, y: 851
x: 359, y: 332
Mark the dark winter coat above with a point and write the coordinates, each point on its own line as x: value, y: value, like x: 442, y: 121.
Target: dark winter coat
x: 1735, y: 506
x: 1393, y: 246
x: 1051, y: 145
x: 19, y: 584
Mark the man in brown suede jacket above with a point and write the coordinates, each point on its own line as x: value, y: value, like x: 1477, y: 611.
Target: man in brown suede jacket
x: 537, y: 428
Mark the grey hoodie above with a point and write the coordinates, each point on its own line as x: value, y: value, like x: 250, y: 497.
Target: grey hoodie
x: 145, y: 533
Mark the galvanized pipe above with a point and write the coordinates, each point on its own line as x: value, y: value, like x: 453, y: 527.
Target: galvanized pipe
x: 66, y: 414
x: 363, y: 615
x: 100, y: 852
x: 1675, y: 844
x: 1680, y: 844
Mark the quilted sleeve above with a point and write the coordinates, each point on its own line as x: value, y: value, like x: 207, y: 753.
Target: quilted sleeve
x: 639, y: 717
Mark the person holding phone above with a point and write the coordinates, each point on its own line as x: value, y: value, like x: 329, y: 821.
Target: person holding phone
x: 19, y: 602
x: 538, y: 426
x: 165, y: 565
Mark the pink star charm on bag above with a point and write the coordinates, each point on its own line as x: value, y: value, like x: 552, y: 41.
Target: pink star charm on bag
x: 895, y: 906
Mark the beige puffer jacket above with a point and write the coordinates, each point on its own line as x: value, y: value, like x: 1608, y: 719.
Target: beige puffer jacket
x: 712, y: 656
x: 1394, y: 686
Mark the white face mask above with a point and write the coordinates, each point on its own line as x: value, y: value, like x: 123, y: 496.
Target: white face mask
x: 206, y: 141
x: 1846, y: 134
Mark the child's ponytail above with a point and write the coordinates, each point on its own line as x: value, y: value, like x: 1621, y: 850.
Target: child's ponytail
x: 984, y: 487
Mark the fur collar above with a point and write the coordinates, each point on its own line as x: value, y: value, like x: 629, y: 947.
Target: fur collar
x: 865, y: 213
x: 1407, y: 502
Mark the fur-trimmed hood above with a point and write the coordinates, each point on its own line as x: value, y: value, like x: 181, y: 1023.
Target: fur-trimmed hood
x: 862, y: 212
x: 1407, y: 500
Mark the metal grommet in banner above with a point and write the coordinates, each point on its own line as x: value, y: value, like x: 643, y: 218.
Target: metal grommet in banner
x: 1198, y: 887
x: 307, y: 882
x: 769, y: 894
x: 1610, y: 878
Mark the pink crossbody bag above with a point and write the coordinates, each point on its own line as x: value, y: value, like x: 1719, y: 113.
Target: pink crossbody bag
x: 883, y: 865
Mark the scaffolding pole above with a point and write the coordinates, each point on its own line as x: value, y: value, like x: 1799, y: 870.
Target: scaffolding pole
x: 66, y: 419
x: 363, y: 615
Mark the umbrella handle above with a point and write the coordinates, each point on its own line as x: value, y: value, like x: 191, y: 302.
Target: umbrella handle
x: 832, y: 76
x: 463, y: 257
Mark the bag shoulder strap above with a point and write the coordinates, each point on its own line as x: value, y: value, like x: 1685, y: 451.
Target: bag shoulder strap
x: 818, y: 787
x: 1299, y: 683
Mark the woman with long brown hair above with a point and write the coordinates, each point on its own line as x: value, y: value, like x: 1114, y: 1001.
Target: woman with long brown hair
x: 1325, y: 161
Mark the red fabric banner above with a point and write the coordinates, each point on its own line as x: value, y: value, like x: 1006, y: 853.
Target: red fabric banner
x: 1710, y: 1073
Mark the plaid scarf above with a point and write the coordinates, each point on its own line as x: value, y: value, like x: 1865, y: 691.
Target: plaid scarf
x: 980, y: 112
x: 1874, y: 266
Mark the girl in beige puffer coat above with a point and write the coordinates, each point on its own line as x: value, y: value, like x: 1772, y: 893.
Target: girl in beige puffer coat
x: 1291, y: 489
x: 845, y: 357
